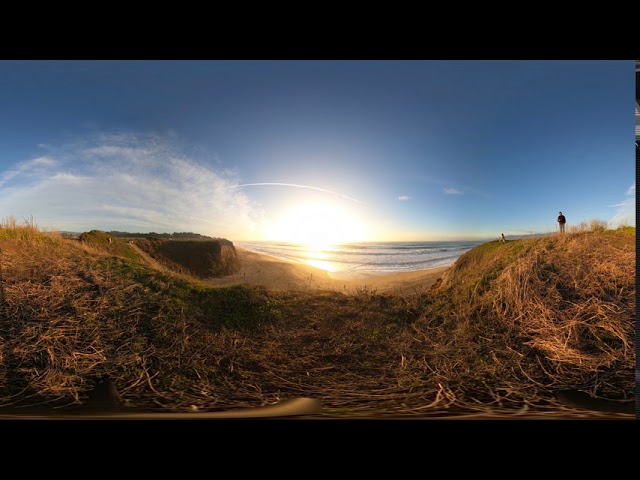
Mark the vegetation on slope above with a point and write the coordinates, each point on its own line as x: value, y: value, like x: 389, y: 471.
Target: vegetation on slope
x: 174, y: 235
x: 559, y: 312
x: 509, y: 324
x: 201, y: 258
x: 110, y: 244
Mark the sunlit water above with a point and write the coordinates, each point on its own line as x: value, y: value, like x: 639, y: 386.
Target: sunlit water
x: 374, y: 257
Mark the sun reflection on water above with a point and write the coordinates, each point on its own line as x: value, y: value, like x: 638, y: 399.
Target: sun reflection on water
x: 318, y: 258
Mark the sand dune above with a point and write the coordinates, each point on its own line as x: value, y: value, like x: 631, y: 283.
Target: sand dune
x: 277, y: 274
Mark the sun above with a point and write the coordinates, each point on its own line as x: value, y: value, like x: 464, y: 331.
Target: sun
x: 317, y: 226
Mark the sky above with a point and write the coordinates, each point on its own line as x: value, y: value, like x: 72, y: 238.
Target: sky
x: 318, y: 151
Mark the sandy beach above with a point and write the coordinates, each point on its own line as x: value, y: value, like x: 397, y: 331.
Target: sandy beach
x: 277, y: 274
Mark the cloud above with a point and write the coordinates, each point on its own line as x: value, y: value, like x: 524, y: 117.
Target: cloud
x: 452, y: 191
x: 126, y: 182
x: 626, y: 210
x: 404, y: 198
x: 30, y: 168
x: 279, y: 184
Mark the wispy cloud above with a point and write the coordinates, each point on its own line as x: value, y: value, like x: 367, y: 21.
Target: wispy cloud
x: 452, y: 191
x: 126, y: 181
x: 30, y: 168
x: 276, y: 184
x: 626, y: 210
x: 404, y: 198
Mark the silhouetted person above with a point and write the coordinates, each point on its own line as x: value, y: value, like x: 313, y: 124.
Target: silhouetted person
x: 502, y: 239
x: 561, y: 222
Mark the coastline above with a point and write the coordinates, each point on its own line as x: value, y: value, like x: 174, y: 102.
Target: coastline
x: 277, y: 274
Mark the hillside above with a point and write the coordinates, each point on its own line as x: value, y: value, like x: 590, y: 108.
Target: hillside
x: 202, y: 258
x: 109, y: 244
x: 509, y: 324
x: 568, y: 300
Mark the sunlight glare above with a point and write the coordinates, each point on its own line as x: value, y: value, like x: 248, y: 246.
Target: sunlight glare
x: 317, y: 226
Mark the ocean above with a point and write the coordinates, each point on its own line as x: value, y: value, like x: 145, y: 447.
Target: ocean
x: 370, y: 257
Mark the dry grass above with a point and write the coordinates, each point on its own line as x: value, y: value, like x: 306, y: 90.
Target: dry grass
x: 509, y: 324
x: 565, y: 307
x: 574, y: 297
x: 593, y: 225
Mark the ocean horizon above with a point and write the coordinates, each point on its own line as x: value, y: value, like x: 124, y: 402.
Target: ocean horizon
x: 367, y: 257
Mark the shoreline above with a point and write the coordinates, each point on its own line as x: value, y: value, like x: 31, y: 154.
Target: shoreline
x: 278, y: 274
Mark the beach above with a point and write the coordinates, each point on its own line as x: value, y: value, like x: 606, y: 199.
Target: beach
x: 279, y: 274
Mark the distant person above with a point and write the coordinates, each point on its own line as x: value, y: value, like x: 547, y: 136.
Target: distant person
x: 502, y: 239
x: 561, y: 221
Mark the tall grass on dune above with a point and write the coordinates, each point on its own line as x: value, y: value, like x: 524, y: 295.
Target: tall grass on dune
x: 568, y: 301
x: 572, y: 298
x: 10, y: 227
x: 593, y: 225
x: 71, y: 312
x: 508, y: 325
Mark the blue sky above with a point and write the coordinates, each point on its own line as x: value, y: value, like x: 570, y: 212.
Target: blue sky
x: 394, y: 150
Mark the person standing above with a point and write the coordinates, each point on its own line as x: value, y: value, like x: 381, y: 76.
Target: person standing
x: 561, y: 222
x: 502, y: 239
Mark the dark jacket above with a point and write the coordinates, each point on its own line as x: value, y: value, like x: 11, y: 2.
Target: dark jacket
x: 561, y: 219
